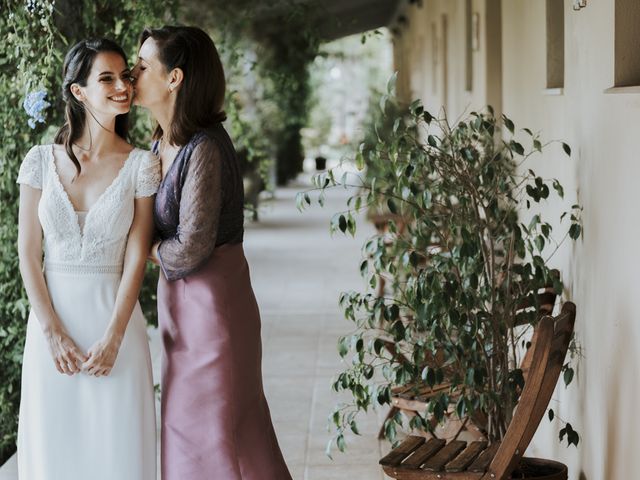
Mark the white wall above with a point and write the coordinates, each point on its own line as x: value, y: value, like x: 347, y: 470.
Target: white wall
x: 600, y: 272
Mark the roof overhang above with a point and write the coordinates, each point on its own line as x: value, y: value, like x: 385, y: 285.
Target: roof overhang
x: 335, y: 18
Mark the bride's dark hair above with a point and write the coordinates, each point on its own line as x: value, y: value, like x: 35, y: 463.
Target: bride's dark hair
x: 76, y: 69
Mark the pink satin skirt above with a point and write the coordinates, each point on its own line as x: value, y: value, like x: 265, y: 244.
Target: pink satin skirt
x: 216, y: 423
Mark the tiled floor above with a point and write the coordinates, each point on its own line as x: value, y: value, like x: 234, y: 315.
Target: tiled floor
x: 298, y: 271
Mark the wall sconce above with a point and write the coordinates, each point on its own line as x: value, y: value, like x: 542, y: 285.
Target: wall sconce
x: 579, y: 4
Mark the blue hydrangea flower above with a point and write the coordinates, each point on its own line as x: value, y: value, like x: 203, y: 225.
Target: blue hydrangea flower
x: 35, y: 104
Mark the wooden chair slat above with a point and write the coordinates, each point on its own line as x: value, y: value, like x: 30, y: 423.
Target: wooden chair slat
x: 420, y: 392
x: 424, y: 452
x: 408, y: 405
x: 525, y: 365
x: 547, y: 301
x: 427, y: 393
x: 414, y: 397
x: 409, y: 393
x: 444, y: 456
x: 508, y: 456
x: 481, y: 463
x: 498, y: 461
x: 397, y: 391
x: 466, y: 458
x: 551, y: 348
x: 402, y: 451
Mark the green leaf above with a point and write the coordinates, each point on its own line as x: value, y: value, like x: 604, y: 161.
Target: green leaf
x: 551, y: 414
x: 354, y: 427
x: 429, y: 376
x: 364, y: 268
x: 574, y: 231
x: 351, y: 225
x: 568, y: 376
x: 431, y: 140
x: 558, y: 188
x: 396, y: 124
x: 537, y: 145
x: 343, y: 346
x: 461, y: 407
x: 327, y: 450
x: 572, y: 435
x: 566, y: 148
x: 392, y: 206
x: 535, y: 220
x: 508, y: 123
x: 573, y: 438
x: 342, y: 223
x: 428, y: 118
x: 416, y: 107
x: 383, y: 102
x: 426, y: 198
x: 517, y: 147
x: 391, y: 83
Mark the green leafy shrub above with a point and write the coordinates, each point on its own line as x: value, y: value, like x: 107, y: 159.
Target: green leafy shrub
x: 461, y: 262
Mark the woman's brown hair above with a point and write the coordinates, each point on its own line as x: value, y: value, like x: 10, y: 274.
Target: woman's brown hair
x: 76, y: 68
x: 200, y: 98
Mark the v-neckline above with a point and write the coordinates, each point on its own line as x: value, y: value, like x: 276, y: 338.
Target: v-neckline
x: 67, y: 198
x: 175, y: 159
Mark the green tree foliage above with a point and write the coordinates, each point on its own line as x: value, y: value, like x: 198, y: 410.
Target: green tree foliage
x: 459, y: 259
x: 267, y: 49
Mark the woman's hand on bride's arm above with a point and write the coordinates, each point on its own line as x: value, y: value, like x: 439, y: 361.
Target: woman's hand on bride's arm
x: 67, y: 357
x: 102, y: 354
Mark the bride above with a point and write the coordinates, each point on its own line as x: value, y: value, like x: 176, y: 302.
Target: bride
x: 87, y: 406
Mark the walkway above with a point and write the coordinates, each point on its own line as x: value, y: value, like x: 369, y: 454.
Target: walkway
x: 298, y: 271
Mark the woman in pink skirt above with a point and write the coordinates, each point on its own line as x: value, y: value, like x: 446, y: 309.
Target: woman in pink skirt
x: 215, y: 418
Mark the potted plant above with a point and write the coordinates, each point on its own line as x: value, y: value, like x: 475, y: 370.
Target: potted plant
x: 474, y: 245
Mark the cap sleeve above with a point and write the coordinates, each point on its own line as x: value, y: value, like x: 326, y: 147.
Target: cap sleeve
x: 31, y: 169
x: 149, y: 175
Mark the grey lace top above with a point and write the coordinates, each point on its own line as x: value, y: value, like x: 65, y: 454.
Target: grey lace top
x: 199, y: 204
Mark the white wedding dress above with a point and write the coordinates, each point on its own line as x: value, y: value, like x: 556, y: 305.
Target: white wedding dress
x: 83, y: 427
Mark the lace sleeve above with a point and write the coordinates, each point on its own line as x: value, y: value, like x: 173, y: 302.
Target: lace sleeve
x: 200, y: 206
x: 31, y: 169
x: 149, y: 175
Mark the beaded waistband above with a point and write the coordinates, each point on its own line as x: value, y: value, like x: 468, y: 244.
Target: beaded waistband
x: 81, y: 269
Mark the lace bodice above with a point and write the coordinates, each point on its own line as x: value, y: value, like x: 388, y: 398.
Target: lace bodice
x: 102, y: 241
x: 200, y: 203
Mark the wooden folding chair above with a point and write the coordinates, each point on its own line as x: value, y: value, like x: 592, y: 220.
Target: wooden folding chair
x: 419, y: 459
